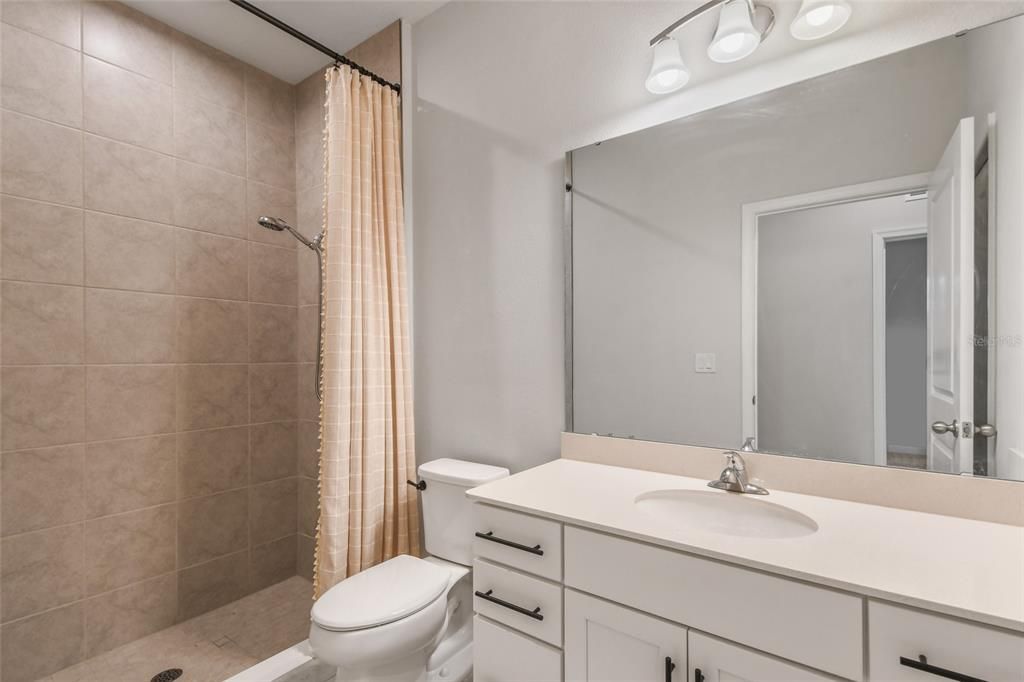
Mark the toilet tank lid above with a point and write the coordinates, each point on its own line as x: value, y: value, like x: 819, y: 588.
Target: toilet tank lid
x: 460, y: 472
x: 379, y: 595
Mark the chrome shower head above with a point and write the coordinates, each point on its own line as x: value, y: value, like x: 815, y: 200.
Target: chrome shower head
x: 279, y: 225
x: 275, y: 224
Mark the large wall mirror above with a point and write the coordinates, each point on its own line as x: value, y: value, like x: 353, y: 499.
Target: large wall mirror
x: 832, y: 269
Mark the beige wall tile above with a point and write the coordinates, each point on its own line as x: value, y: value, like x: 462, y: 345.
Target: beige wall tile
x: 272, y: 390
x: 42, y: 406
x: 127, y: 180
x: 307, y: 279
x: 41, y: 160
x: 209, y: 200
x: 273, y: 562
x: 208, y: 73
x: 124, y: 326
x: 204, y: 587
x: 60, y: 20
x: 273, y: 274
x: 123, y: 36
x: 268, y: 99
x: 132, y: 612
x: 126, y: 106
x: 211, y: 396
x: 261, y: 200
x: 304, y: 561
x: 124, y: 475
x: 309, y: 159
x: 40, y: 77
x: 272, y: 331
x: 273, y: 510
x: 129, y: 400
x: 42, y: 323
x: 310, y: 96
x: 43, y: 644
x: 41, y: 571
x: 209, y: 134
x: 212, y: 526
x: 309, y: 449
x: 308, y: 331
x: 123, y: 253
x: 273, y: 451
x: 213, y: 266
x: 212, y: 330
x: 41, y: 242
x: 309, y: 506
x: 212, y: 461
x: 308, y: 405
x: 42, y: 488
x: 270, y: 154
x: 381, y: 53
x: 127, y: 548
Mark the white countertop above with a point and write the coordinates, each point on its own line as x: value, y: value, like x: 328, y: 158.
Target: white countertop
x: 963, y: 568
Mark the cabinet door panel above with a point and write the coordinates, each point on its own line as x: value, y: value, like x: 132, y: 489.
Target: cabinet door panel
x: 605, y: 642
x: 721, y: 661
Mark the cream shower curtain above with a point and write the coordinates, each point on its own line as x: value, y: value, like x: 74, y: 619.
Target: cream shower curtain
x: 367, y: 512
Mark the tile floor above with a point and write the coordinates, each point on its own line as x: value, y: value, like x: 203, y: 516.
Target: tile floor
x: 210, y: 647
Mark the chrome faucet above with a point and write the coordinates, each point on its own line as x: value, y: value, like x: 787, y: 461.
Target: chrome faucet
x: 734, y: 476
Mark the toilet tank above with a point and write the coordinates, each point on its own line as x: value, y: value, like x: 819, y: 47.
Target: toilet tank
x: 447, y: 512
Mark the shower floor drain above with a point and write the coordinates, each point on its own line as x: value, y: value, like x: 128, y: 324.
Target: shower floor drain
x: 167, y: 675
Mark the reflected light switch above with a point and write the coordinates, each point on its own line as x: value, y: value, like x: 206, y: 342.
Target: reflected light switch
x: 705, y: 363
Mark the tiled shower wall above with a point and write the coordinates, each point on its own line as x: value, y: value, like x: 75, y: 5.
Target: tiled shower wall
x: 149, y: 332
x: 382, y: 54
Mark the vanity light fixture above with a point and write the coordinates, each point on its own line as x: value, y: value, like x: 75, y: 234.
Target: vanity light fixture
x: 736, y: 37
x: 668, y: 72
x: 742, y: 27
x: 819, y: 18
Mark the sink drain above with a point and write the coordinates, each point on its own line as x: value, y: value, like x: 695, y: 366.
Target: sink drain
x: 167, y: 675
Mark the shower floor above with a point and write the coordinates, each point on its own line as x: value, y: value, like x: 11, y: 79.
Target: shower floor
x: 210, y: 647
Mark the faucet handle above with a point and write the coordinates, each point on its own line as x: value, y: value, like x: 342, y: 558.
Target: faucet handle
x: 734, y: 460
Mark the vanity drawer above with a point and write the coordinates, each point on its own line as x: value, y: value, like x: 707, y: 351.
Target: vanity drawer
x: 814, y: 626
x: 525, y: 542
x: 502, y: 655
x: 504, y: 595
x: 973, y: 650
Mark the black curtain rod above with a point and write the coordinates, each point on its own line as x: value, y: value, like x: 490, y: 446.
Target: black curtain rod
x: 295, y: 33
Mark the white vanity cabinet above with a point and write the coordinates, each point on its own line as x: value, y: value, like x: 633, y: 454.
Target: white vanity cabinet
x: 615, y: 609
x: 608, y: 642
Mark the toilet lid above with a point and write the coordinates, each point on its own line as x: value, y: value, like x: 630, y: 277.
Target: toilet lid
x: 383, y: 594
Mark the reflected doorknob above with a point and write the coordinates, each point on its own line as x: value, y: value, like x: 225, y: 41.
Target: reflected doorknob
x: 943, y: 427
x: 985, y: 431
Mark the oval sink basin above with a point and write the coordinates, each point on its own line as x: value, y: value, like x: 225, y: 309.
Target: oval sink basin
x: 725, y: 513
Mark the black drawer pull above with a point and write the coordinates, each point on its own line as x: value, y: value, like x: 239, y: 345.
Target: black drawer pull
x: 488, y: 595
x: 698, y: 676
x: 669, y: 667
x: 923, y: 665
x: 489, y: 535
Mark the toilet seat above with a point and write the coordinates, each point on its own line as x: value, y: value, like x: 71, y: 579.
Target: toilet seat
x: 383, y: 594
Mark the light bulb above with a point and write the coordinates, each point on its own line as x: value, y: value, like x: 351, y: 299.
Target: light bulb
x: 820, y: 15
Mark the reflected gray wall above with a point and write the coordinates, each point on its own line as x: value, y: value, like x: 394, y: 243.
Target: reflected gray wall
x: 815, y: 363
x: 906, y: 345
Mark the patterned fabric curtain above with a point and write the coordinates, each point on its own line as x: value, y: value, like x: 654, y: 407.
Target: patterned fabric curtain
x: 367, y: 512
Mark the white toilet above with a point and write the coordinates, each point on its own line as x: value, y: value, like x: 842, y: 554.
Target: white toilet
x: 410, y: 619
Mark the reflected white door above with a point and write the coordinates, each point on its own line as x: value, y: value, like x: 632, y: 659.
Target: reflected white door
x: 951, y: 305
